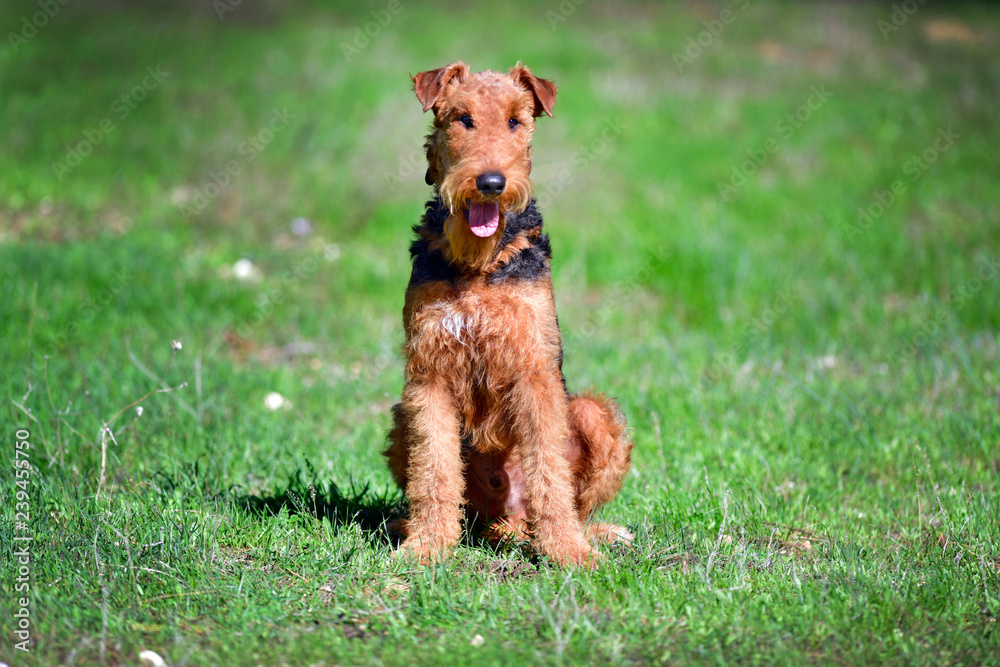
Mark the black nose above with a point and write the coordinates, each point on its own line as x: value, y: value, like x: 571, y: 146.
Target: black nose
x: 491, y: 183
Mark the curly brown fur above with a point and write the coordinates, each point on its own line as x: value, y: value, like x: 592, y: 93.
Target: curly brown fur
x: 485, y: 419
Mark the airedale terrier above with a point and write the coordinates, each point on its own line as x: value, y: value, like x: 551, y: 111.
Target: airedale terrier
x: 485, y: 418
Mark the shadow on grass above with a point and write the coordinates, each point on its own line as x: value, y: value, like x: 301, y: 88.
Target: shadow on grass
x: 372, y: 512
x: 378, y: 516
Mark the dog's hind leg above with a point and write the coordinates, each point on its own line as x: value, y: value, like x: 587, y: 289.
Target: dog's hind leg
x: 599, y: 451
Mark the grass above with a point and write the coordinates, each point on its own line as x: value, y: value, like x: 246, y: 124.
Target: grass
x: 814, y: 398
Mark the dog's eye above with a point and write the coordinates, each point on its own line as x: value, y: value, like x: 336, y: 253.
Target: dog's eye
x: 466, y: 120
x: 513, y: 123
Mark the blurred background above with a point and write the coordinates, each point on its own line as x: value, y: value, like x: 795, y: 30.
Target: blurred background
x: 776, y: 233
x: 728, y: 185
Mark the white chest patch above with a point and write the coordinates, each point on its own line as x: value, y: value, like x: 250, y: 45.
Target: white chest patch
x: 454, y: 321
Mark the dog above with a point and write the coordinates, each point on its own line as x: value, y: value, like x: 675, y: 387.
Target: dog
x: 485, y: 418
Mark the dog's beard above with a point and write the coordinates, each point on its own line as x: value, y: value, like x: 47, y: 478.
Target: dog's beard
x: 476, y: 223
x: 485, y: 216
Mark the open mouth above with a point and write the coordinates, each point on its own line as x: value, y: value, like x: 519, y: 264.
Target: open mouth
x: 484, y: 218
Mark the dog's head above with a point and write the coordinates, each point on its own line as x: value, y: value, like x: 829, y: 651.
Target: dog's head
x: 479, y: 151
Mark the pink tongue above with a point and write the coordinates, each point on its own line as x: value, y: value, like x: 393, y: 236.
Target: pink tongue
x: 484, y: 219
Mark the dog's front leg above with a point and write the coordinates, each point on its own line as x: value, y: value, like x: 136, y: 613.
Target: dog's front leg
x: 435, y: 481
x: 541, y: 429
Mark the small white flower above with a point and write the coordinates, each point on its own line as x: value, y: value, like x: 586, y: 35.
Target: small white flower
x: 477, y: 640
x: 828, y: 361
x: 175, y: 345
x: 275, y: 401
x: 152, y: 659
x: 181, y: 194
x: 245, y: 270
x: 138, y: 411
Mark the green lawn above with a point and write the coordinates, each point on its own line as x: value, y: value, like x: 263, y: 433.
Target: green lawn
x: 777, y: 241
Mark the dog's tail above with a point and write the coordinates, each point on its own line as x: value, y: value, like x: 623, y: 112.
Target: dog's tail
x: 598, y: 429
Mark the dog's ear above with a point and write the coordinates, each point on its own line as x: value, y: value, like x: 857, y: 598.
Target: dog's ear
x: 544, y: 91
x: 430, y: 84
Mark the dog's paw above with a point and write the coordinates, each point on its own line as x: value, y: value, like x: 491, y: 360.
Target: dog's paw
x: 578, y: 553
x: 609, y: 533
x: 422, y: 550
